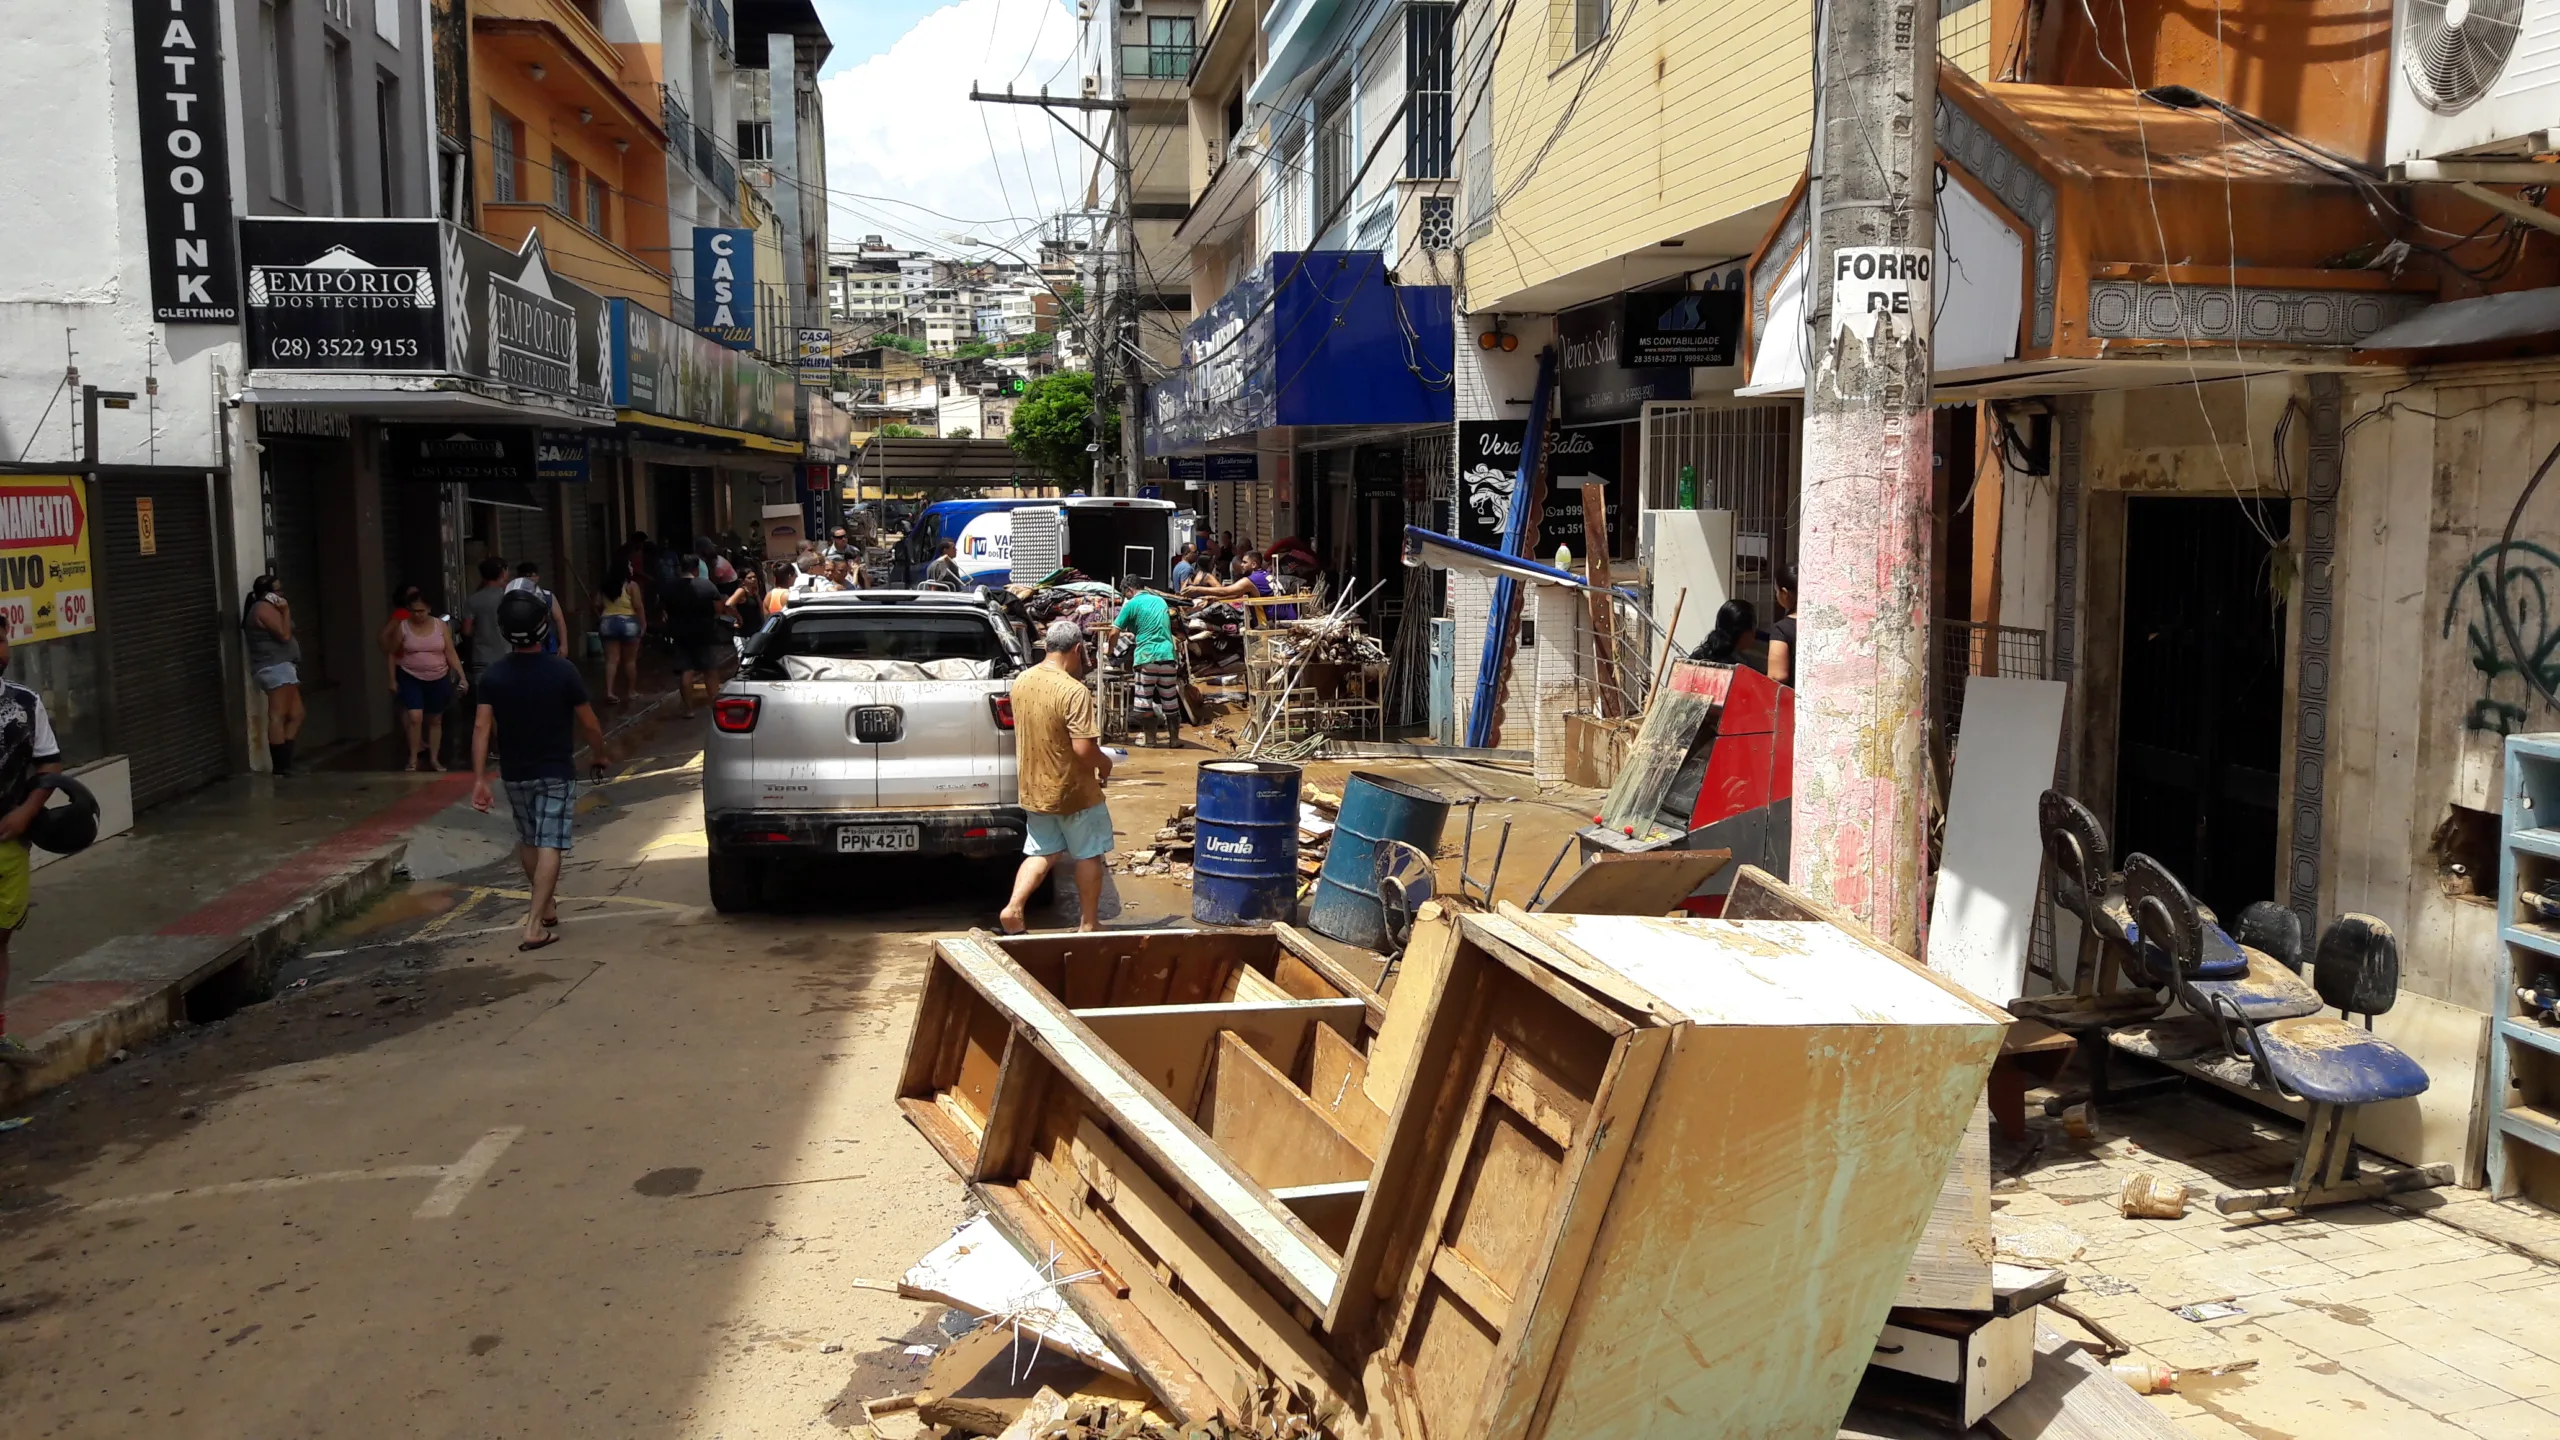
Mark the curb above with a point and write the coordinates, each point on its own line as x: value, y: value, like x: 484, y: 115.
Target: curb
x: 135, y: 988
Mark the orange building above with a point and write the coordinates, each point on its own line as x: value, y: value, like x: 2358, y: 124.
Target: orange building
x: 567, y: 141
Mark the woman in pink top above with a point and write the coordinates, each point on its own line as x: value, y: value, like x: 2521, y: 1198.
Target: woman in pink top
x: 425, y: 672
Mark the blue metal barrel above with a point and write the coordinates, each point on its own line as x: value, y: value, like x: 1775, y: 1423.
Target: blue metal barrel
x: 1375, y: 809
x: 1244, y: 852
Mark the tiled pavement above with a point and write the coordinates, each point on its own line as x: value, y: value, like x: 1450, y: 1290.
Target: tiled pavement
x: 2437, y: 1321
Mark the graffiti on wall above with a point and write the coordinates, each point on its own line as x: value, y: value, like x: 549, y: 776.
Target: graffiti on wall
x: 2531, y: 579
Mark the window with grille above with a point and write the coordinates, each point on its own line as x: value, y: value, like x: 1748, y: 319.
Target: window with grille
x: 506, y: 154
x: 1438, y: 225
x: 1335, y: 163
x: 1429, y: 69
x: 564, y: 185
x: 595, y: 204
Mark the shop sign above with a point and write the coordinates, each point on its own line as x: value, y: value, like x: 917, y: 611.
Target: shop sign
x: 1224, y: 387
x: 664, y: 369
x: 826, y: 432
x: 460, y: 454
x: 1592, y: 382
x: 1223, y: 467
x: 304, y: 420
x: 561, y: 456
x: 45, y: 590
x: 724, y: 285
x: 1489, y: 463
x: 817, y: 363
x: 186, y: 161
x: 1680, y: 327
x: 527, y: 327
x: 345, y: 294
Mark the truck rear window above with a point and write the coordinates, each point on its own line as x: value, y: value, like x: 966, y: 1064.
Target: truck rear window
x: 917, y: 636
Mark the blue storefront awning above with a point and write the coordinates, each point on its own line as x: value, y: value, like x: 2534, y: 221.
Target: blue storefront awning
x: 1324, y: 339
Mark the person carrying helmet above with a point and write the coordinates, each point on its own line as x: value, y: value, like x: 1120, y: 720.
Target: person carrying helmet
x: 27, y: 752
x: 535, y: 706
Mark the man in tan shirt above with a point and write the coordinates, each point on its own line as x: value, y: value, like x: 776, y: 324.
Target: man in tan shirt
x: 1060, y: 767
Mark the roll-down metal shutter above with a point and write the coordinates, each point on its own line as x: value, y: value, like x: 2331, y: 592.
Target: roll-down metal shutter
x: 163, y: 625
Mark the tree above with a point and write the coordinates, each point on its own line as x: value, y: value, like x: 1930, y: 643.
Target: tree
x: 961, y: 432
x: 1054, y: 423
x: 974, y: 350
x: 896, y: 431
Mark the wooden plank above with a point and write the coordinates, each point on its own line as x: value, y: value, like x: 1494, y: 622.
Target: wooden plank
x: 1248, y: 984
x: 1984, y: 908
x: 1337, y: 1076
x: 1300, y: 951
x: 1674, y: 714
x: 1171, y: 1044
x: 1951, y: 1269
x: 1022, y: 1087
x: 1604, y: 634
x: 934, y: 1017
x: 1649, y: 882
x: 1196, y: 1343
x: 2452, y: 1043
x: 1239, y: 1302
x: 1166, y: 1136
x: 2071, y: 1396
x: 1269, y: 1126
x: 1134, y: 1342
x: 1418, y: 985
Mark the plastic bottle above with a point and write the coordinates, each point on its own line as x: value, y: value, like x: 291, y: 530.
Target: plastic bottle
x: 1688, y: 487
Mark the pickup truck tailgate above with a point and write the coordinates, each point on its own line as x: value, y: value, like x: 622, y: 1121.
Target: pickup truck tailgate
x: 806, y: 753
x: 945, y: 748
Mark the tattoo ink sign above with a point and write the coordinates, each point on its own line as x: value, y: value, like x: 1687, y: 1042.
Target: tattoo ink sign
x: 186, y: 161
x: 44, y: 558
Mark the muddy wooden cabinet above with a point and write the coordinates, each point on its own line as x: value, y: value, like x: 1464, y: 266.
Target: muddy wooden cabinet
x: 1583, y: 1176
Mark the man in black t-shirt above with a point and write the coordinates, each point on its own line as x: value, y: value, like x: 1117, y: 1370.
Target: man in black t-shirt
x: 534, y: 705
x: 693, y: 623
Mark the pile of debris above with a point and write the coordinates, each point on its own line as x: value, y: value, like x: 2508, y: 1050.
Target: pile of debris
x: 1169, y: 853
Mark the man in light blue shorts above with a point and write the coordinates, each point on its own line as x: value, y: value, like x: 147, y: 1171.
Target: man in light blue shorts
x: 1061, y: 768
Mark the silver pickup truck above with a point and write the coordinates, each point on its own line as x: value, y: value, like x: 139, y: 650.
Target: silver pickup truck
x: 874, y: 722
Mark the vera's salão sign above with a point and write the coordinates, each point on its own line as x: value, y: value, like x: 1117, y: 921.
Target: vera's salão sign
x: 45, y: 590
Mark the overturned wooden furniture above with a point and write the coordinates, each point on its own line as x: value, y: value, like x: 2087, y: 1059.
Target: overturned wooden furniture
x: 1675, y: 1186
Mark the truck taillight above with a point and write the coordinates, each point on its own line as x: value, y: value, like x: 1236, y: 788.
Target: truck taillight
x: 1003, y: 706
x: 736, y: 714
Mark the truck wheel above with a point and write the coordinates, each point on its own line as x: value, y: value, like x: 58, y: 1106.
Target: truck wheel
x: 737, y: 883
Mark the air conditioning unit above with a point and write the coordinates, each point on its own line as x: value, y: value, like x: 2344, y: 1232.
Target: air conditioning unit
x: 2473, y: 78
x: 1132, y: 7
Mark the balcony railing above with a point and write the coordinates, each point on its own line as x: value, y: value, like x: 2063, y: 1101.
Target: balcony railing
x: 1158, y: 62
x: 697, y: 147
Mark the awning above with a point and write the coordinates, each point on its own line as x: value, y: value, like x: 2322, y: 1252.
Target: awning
x: 1431, y: 550
x: 1980, y: 289
x: 924, y: 461
x: 740, y: 438
x: 1323, y: 338
x: 418, y: 397
x: 2472, y: 322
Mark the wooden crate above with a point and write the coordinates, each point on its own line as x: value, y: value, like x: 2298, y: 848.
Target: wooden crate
x: 1578, y: 1196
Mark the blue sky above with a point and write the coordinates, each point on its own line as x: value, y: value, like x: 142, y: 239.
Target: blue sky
x: 864, y: 28
x: 910, y: 156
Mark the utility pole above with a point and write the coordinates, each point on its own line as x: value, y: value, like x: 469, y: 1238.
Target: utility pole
x: 1103, y: 331
x: 1133, y: 388
x: 1861, y: 656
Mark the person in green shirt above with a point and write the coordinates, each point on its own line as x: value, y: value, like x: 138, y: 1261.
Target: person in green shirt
x: 1155, y: 696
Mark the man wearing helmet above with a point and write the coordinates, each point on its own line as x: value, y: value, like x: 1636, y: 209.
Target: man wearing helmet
x: 535, y: 705
x: 27, y: 750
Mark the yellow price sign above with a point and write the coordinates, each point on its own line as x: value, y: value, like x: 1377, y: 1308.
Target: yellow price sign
x: 45, y: 584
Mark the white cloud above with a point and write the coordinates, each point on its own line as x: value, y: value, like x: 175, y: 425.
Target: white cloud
x: 901, y: 127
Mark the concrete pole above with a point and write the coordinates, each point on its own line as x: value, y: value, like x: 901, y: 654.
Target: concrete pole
x: 1862, y: 651
x: 1133, y: 384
